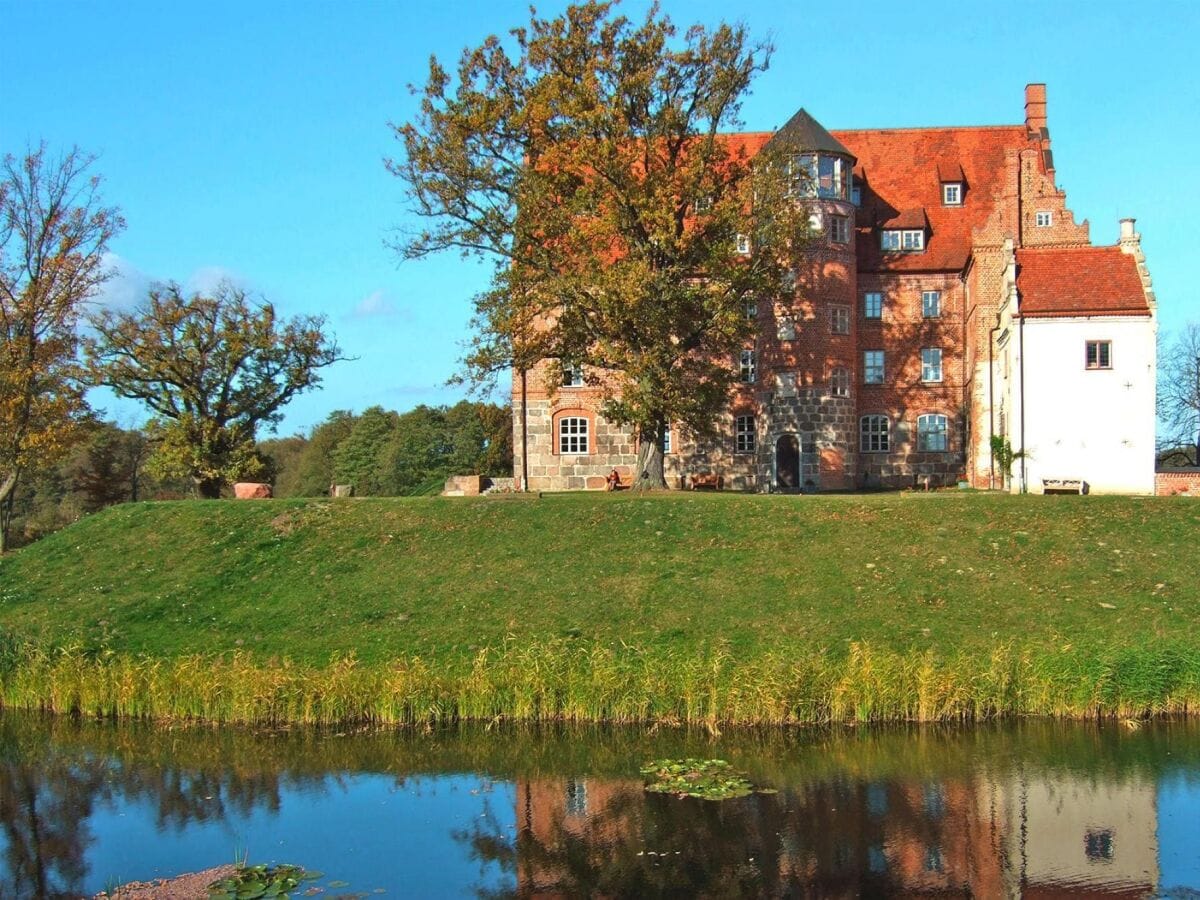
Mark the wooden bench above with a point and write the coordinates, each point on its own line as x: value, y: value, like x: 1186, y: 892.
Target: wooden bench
x: 709, y: 481
x: 1064, y: 486
x: 623, y: 483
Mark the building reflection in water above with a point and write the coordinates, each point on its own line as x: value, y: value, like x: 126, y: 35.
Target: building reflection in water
x: 987, y: 836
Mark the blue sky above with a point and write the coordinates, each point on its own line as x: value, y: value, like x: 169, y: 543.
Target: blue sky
x: 246, y: 139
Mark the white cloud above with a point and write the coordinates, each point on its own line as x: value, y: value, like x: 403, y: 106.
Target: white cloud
x: 125, y: 289
x: 378, y: 304
x: 206, y: 279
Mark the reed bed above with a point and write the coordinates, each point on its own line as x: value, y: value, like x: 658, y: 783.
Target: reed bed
x: 571, y: 681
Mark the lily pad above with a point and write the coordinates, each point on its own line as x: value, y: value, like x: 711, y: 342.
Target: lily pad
x: 707, y: 779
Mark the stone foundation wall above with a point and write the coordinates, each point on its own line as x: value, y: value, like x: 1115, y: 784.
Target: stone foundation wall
x: 609, y: 446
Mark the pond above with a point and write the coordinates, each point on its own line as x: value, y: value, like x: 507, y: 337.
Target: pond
x: 1033, y: 808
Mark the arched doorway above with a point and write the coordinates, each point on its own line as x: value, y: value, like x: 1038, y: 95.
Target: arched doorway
x: 787, y: 463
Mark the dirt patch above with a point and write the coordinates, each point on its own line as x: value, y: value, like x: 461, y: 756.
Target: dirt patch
x: 192, y: 886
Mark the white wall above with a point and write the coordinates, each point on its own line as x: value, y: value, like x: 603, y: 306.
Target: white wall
x: 1097, y: 425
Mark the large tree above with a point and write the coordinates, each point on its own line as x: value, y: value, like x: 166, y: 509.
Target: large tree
x: 54, y: 229
x: 1179, y: 392
x: 585, y: 157
x: 211, y: 369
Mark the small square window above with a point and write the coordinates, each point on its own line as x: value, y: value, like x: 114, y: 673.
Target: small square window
x: 931, y: 364
x: 889, y: 240
x: 952, y: 194
x: 873, y: 305
x: 743, y: 244
x: 572, y: 375
x: 931, y: 304
x: 839, y: 229
x: 913, y: 240
x: 873, y: 367
x: 702, y: 205
x: 748, y: 368
x: 1098, y: 355
x: 744, y: 434
x: 839, y: 320
x: 1044, y: 219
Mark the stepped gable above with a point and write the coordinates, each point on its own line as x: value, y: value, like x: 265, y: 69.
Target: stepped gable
x: 904, y: 170
x: 1079, y: 281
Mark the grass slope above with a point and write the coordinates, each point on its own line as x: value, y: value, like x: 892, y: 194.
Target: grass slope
x: 786, y: 578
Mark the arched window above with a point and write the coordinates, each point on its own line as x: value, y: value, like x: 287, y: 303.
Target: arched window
x: 873, y: 434
x: 573, y: 435
x: 931, y: 433
x: 839, y: 381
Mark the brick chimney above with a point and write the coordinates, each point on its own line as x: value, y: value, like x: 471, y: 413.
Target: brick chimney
x: 1035, y: 107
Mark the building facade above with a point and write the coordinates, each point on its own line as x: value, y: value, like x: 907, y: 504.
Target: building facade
x: 950, y: 298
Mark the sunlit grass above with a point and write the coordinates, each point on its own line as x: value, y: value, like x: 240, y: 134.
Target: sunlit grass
x: 692, y: 608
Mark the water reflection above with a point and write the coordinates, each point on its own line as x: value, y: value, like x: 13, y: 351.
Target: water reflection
x: 1035, y: 809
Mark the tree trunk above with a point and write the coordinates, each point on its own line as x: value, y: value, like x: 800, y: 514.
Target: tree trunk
x: 208, y: 488
x: 7, y: 487
x: 649, y: 473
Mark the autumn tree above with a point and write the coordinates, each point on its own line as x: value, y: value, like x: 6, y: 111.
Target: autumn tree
x: 211, y: 369
x: 1179, y: 392
x: 585, y: 158
x: 54, y: 230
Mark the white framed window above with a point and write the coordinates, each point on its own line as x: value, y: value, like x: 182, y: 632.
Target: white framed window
x: 839, y: 229
x: 952, y: 193
x: 573, y: 435
x: 743, y: 434
x: 873, y: 305
x: 839, y: 319
x: 1044, y: 218
x: 785, y: 325
x: 839, y: 381
x: 931, y: 433
x: 743, y: 244
x: 931, y: 364
x: 702, y: 205
x: 751, y: 310
x: 873, y: 434
x: 889, y: 240
x: 666, y: 438
x: 748, y: 366
x: 1098, y: 355
x: 572, y: 374
x: 872, y: 367
x: 912, y: 239
x: 931, y: 304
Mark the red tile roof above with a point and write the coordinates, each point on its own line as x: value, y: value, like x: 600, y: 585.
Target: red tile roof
x: 902, y: 169
x: 908, y: 218
x: 950, y: 172
x: 1079, y: 281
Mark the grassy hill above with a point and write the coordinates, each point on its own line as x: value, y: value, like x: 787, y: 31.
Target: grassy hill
x: 1076, y: 582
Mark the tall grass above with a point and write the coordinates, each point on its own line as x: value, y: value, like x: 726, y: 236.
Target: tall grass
x: 571, y: 681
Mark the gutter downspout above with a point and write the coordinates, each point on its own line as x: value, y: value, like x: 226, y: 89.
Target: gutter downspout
x: 1021, y: 367
x: 524, y: 435
x: 992, y: 404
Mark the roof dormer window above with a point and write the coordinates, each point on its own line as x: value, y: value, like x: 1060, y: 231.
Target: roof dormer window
x: 952, y: 193
x: 908, y: 240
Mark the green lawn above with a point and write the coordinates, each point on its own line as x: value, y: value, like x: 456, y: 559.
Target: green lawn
x: 440, y: 578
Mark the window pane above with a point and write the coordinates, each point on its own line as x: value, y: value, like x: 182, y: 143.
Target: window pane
x: 873, y: 434
x: 931, y: 364
x: 873, y: 305
x: 873, y: 366
x: 931, y: 304
x: 931, y: 433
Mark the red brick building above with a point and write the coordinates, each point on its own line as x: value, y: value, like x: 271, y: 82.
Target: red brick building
x: 880, y: 370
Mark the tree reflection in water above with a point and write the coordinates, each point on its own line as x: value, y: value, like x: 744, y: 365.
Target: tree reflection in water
x: 937, y: 810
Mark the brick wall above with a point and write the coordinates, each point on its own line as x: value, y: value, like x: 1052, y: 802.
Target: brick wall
x: 1177, y: 481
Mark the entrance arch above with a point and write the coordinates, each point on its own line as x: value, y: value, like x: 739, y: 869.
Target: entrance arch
x: 787, y: 463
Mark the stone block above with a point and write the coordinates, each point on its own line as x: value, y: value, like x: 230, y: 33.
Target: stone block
x: 251, y: 490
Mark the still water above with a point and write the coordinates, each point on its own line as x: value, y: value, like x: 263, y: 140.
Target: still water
x: 1025, y: 809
